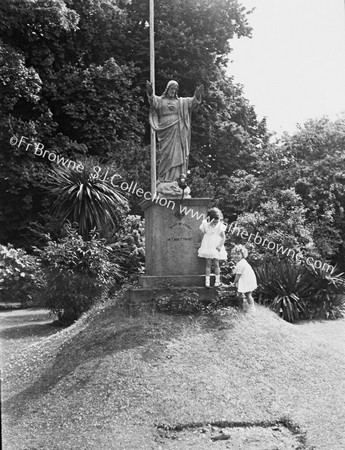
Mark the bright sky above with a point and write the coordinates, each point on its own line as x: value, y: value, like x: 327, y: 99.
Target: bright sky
x: 293, y: 67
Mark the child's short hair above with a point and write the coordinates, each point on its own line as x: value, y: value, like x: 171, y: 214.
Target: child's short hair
x: 240, y: 250
x: 214, y: 214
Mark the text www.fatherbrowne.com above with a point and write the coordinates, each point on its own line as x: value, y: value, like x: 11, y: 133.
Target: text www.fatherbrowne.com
x: 256, y: 239
x: 162, y: 201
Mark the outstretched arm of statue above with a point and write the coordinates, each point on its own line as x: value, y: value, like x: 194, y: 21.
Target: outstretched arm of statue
x: 153, y: 100
x: 199, y: 92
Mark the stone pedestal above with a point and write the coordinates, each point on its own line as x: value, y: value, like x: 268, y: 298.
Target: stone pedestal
x: 172, y: 239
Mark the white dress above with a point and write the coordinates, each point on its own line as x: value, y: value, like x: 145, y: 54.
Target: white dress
x: 247, y: 281
x: 211, y: 240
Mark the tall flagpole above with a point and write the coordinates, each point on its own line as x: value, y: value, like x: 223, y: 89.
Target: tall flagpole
x: 152, y: 80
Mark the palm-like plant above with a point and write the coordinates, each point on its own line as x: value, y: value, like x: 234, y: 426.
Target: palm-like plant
x: 94, y: 203
x: 286, y: 288
x: 329, y: 300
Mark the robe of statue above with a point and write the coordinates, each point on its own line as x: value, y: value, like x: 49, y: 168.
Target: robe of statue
x: 171, y: 119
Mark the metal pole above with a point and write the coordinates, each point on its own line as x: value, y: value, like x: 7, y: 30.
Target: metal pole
x: 152, y: 80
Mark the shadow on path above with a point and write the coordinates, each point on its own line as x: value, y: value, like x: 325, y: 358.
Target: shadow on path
x: 20, y: 324
x: 34, y: 330
x: 24, y: 327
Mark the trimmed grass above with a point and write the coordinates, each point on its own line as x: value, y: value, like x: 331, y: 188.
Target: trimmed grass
x: 112, y: 381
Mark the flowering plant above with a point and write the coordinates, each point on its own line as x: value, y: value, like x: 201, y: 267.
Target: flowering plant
x: 21, y: 275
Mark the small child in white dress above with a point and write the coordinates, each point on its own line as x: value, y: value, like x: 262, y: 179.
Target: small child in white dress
x: 245, y: 279
x: 212, y: 245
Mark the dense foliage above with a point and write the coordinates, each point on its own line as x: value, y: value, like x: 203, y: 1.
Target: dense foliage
x: 73, y: 79
x: 186, y: 301
x: 178, y: 301
x: 72, y: 88
x: 78, y: 273
x: 128, y: 246
x: 301, y: 292
x: 279, y: 228
x: 21, y: 276
x: 295, y: 197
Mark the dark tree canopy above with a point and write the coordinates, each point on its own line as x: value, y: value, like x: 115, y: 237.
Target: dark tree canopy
x: 72, y: 77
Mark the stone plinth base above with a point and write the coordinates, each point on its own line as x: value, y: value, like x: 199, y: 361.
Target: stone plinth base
x: 144, y: 296
x: 147, y: 281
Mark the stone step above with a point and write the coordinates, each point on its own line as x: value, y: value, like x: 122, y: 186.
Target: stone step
x: 146, y: 295
x: 186, y: 281
x: 149, y: 281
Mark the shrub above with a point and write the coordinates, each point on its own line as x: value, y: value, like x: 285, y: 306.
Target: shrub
x: 21, y: 276
x: 78, y: 274
x: 128, y: 246
x: 280, y: 220
x: 227, y: 269
x: 187, y: 301
x: 177, y: 300
x: 224, y: 299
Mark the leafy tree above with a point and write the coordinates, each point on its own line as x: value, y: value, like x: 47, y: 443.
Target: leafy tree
x: 37, y: 28
x: 281, y: 227
x: 309, y: 162
x: 74, y: 80
x: 71, y: 110
x: 27, y: 29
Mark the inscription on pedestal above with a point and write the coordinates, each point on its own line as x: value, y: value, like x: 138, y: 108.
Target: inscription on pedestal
x: 181, y: 240
x: 171, y: 243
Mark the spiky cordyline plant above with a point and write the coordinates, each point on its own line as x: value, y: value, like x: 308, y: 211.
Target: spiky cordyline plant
x: 82, y: 198
x: 296, y: 291
x: 329, y: 300
x: 285, y: 287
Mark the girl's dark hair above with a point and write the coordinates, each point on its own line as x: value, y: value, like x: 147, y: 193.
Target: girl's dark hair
x: 214, y: 214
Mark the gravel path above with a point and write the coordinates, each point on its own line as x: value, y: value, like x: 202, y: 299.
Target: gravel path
x: 22, y: 328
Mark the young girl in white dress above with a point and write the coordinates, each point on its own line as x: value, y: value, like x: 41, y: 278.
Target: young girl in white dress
x: 212, y: 245
x: 245, y: 279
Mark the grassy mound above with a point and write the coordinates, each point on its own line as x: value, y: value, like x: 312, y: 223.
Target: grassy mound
x: 112, y: 381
